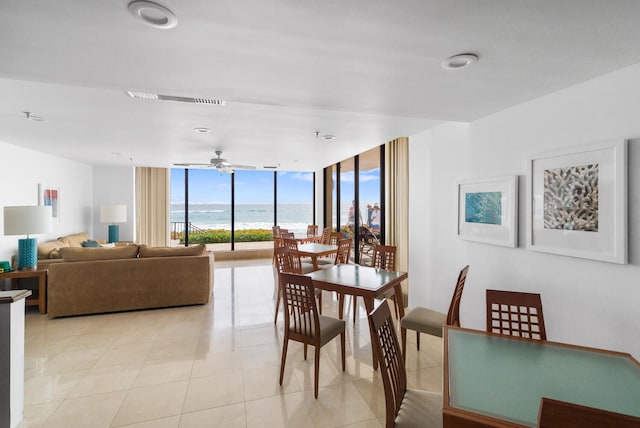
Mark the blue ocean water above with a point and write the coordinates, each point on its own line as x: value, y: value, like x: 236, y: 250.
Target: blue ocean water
x: 483, y: 207
x: 294, y: 217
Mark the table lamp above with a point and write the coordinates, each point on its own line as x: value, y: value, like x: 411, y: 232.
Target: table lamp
x: 25, y: 221
x: 113, y: 214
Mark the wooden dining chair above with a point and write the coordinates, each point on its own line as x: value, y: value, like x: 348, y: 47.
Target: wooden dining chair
x: 428, y: 321
x: 513, y: 313
x: 334, y: 238
x: 276, y: 231
x: 404, y: 407
x: 287, y: 261
x: 287, y: 235
x: 344, y: 251
x: 312, y: 230
x: 560, y: 414
x: 326, y: 235
x: 384, y: 257
x: 303, y: 323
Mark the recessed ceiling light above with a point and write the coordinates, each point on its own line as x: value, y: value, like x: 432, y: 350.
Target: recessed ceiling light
x: 153, y: 14
x: 202, y: 130
x: 458, y: 62
x: 328, y: 137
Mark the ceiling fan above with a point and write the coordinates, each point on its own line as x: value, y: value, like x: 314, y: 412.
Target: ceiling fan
x: 218, y: 163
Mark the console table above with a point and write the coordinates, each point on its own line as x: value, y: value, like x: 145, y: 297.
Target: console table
x: 41, y: 298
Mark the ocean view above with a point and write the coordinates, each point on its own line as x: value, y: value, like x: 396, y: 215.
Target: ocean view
x: 294, y: 217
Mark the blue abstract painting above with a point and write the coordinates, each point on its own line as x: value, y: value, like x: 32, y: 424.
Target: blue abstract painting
x: 483, y: 207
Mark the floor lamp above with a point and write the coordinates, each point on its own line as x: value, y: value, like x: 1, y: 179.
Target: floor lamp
x: 113, y: 214
x: 27, y: 220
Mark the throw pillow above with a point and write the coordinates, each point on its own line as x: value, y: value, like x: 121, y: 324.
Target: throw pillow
x: 75, y: 254
x: 90, y: 244
x: 195, y: 250
x: 109, y: 245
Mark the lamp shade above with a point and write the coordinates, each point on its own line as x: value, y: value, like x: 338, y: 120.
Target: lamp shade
x: 27, y: 220
x: 113, y: 214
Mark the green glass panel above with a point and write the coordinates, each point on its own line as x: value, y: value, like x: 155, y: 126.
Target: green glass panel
x: 506, y: 378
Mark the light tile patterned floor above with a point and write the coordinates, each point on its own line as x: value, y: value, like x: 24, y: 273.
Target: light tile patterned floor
x: 215, y: 365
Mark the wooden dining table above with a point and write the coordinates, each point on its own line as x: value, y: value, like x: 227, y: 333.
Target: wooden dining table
x: 314, y: 250
x: 359, y: 281
x: 492, y: 380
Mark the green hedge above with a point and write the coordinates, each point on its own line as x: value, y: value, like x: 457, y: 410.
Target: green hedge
x: 221, y: 236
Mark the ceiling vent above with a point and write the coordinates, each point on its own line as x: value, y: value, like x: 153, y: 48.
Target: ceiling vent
x: 151, y: 96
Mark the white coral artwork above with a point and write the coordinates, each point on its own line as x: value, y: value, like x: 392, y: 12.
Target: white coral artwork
x: 571, y: 198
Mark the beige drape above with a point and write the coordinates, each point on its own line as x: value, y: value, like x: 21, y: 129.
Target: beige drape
x: 152, y: 206
x: 397, y: 199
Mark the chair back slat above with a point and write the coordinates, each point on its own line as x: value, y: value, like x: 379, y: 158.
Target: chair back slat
x: 453, y: 316
x: 344, y: 251
x: 301, y: 312
x: 513, y: 313
x: 393, y: 371
x: 384, y: 257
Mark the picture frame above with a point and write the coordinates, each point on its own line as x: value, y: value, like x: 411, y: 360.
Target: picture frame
x: 577, y: 202
x: 50, y: 196
x: 488, y: 210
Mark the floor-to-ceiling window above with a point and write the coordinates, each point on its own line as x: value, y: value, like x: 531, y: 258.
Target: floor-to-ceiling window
x: 294, y: 204
x: 357, y: 200
x: 237, y: 211
x: 254, y: 208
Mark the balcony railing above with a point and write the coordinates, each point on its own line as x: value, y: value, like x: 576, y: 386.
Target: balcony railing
x: 177, y: 229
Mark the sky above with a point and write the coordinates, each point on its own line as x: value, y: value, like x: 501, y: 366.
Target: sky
x: 208, y: 186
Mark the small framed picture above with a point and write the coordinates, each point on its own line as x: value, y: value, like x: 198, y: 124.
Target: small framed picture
x: 50, y: 196
x: 577, y: 202
x: 487, y: 210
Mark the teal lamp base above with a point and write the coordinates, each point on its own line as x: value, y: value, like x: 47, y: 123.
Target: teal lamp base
x: 27, y: 253
x: 114, y: 232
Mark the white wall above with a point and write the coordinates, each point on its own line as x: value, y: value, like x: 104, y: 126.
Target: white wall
x: 585, y: 302
x: 114, y: 185
x: 20, y: 172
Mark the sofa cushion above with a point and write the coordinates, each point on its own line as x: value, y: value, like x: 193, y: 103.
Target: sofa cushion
x: 195, y: 250
x: 75, y: 240
x: 46, y: 248
x: 73, y: 254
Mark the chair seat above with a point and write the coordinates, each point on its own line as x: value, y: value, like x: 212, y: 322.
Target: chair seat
x: 329, y: 328
x: 420, y: 409
x: 424, y: 320
x: 307, y: 267
x: 329, y: 262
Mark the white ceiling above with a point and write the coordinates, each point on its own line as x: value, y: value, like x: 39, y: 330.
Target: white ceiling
x: 366, y: 71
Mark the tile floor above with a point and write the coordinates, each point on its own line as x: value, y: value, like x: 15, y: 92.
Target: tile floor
x: 215, y: 365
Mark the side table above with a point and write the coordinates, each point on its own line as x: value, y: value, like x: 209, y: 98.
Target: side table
x: 41, y: 274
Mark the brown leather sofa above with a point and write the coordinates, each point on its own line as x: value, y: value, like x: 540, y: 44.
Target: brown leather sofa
x: 99, y: 280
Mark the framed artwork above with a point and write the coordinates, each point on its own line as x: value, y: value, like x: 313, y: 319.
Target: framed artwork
x: 50, y: 196
x: 578, y: 202
x: 487, y: 210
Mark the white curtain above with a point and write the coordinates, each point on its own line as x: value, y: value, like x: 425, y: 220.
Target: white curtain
x: 152, y: 206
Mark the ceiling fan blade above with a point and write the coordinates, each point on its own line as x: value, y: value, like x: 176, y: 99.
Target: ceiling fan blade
x: 241, y: 167
x: 192, y: 164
